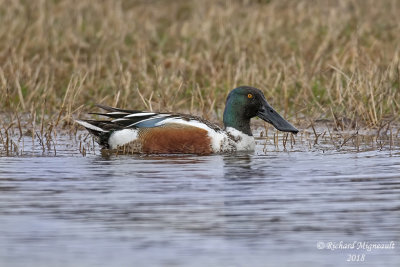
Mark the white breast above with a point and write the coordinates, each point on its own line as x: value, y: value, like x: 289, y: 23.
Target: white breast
x: 242, y: 141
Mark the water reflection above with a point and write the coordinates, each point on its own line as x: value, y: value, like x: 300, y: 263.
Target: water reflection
x: 238, y: 166
x: 237, y: 209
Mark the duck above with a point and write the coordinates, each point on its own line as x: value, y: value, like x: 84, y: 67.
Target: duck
x: 144, y: 132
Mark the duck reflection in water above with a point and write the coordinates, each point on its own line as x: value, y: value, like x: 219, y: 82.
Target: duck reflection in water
x: 241, y: 166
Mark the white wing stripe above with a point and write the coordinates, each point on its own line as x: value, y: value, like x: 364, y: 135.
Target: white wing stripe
x: 153, y: 117
x: 133, y: 124
x: 116, y: 113
x: 120, y: 119
x: 90, y: 126
x: 140, y: 114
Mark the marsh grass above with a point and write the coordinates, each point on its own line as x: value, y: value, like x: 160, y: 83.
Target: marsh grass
x: 314, y: 60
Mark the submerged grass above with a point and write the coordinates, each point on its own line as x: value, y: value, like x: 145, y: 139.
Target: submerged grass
x: 337, y: 60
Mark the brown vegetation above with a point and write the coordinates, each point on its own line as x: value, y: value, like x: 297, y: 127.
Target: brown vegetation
x: 313, y: 59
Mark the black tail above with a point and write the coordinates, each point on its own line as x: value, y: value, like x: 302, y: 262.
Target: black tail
x: 100, y: 129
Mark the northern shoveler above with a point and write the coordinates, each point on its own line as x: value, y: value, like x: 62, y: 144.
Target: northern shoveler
x: 168, y: 133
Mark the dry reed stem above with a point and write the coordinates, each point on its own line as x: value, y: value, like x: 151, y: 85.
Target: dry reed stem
x: 308, y: 57
x: 338, y: 60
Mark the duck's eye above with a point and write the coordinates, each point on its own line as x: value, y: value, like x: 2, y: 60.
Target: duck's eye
x: 249, y: 96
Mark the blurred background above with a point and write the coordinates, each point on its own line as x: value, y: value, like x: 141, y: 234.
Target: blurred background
x: 317, y: 59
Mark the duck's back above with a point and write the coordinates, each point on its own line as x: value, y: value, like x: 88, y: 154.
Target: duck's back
x: 132, y: 131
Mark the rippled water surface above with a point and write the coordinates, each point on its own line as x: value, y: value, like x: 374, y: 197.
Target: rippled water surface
x: 255, y: 209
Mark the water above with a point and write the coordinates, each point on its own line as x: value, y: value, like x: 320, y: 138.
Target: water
x: 257, y: 209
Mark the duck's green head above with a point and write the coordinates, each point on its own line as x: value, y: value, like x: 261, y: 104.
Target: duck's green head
x: 244, y: 103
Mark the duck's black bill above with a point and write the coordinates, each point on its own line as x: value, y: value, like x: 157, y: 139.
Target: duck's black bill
x: 268, y: 114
